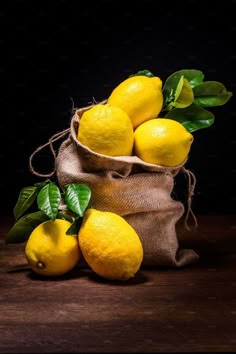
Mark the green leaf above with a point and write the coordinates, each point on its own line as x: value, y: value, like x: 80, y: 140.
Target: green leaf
x: 194, y: 77
x: 42, y: 184
x: 74, y: 228
x: 25, y: 200
x: 63, y: 216
x: 143, y: 73
x: 179, y: 87
x: 77, y: 197
x: 183, y: 95
x: 210, y: 94
x: 22, y: 229
x: 192, y: 117
x: 48, y: 200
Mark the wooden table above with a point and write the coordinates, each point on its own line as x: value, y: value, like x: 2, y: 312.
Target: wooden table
x: 192, y: 309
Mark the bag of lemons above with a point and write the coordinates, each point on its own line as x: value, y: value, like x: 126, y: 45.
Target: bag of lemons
x: 129, y: 148
x: 138, y: 191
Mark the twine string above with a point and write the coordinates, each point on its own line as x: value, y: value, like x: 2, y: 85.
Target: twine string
x: 50, y: 142
x: 191, y: 187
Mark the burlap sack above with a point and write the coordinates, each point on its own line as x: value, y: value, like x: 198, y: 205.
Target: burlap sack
x: 138, y: 191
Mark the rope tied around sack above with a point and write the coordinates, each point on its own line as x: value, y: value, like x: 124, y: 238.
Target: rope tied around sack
x: 50, y: 142
x: 191, y: 187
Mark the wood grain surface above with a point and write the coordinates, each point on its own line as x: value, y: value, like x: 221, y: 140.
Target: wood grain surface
x: 192, y: 309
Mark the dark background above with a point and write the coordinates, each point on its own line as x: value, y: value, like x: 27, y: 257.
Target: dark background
x: 53, y: 52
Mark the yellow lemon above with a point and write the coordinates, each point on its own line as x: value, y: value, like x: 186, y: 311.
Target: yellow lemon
x: 110, y: 245
x: 163, y: 142
x: 49, y: 251
x: 140, y: 97
x: 106, y: 130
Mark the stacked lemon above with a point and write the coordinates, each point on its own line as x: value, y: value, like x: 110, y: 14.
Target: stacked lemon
x: 129, y: 124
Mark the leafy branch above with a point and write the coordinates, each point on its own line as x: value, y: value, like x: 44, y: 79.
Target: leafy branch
x: 51, y: 204
x: 186, y: 96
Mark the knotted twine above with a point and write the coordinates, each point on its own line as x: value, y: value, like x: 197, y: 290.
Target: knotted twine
x: 138, y: 191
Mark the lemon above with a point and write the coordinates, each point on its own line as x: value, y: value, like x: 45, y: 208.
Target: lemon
x: 49, y: 251
x: 110, y: 245
x: 163, y: 142
x: 106, y: 130
x: 140, y: 97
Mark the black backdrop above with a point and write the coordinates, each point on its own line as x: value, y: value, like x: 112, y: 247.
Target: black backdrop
x: 53, y: 52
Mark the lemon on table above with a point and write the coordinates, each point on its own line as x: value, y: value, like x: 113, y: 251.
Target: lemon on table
x: 106, y: 130
x: 110, y: 245
x: 140, y: 97
x: 163, y: 142
x: 49, y: 251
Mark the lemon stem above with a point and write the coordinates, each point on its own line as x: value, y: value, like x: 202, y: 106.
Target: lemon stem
x: 40, y: 265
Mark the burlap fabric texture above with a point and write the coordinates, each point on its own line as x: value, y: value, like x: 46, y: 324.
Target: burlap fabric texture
x: 138, y: 191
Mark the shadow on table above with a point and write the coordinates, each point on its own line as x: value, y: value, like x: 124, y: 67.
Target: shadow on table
x: 79, y: 272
